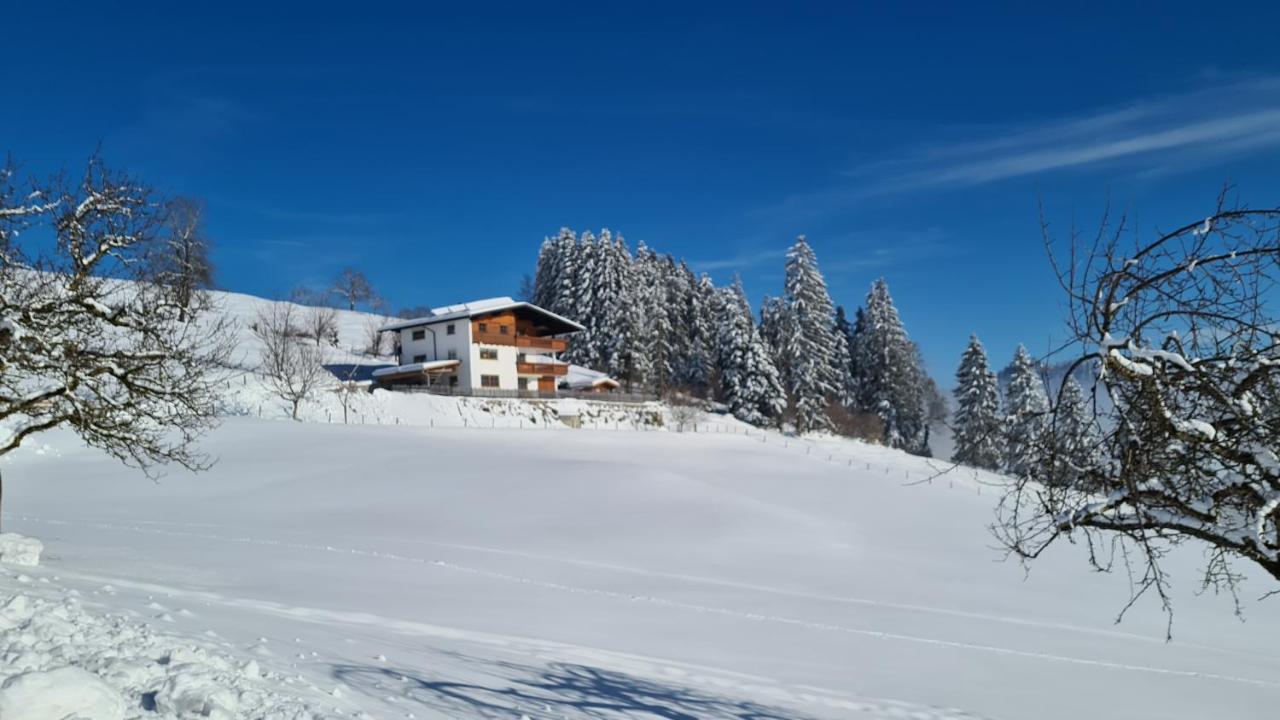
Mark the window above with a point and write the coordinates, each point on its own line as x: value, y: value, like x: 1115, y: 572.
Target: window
x: 523, y: 383
x: 484, y: 327
x: 489, y: 381
x: 488, y: 354
x: 502, y: 329
x: 453, y: 381
x: 448, y: 329
x: 419, y: 358
x: 453, y: 354
x: 419, y: 334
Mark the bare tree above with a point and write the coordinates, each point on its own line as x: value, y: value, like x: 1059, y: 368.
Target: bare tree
x: 348, y: 389
x: 1185, y: 408
x: 180, y: 260
x: 376, y: 342
x: 685, y: 409
x: 321, y: 324
x: 414, y: 312
x: 303, y: 295
x: 292, y: 363
x: 86, y: 342
x: 353, y: 287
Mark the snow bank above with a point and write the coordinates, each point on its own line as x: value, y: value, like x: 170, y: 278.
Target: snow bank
x: 66, y: 692
x: 18, y: 549
x: 62, y: 661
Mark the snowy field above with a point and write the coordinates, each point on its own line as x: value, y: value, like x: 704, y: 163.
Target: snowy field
x: 456, y: 558
x: 411, y: 572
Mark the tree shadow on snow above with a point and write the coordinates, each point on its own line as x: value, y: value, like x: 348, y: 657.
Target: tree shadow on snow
x: 351, y: 371
x: 508, y: 690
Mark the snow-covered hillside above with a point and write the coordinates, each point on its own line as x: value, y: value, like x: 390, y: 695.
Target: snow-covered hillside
x: 249, y: 395
x: 411, y: 567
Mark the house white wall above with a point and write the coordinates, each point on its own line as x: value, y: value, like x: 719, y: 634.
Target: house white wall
x: 504, y: 367
x: 459, y: 343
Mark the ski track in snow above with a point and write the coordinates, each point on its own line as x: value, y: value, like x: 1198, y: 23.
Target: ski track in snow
x: 657, y: 601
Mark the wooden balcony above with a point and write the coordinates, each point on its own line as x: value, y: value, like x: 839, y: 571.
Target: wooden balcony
x: 542, y: 343
x: 493, y: 337
x: 531, y: 368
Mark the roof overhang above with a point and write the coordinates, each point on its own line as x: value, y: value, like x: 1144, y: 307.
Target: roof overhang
x: 415, y: 370
x: 551, y: 322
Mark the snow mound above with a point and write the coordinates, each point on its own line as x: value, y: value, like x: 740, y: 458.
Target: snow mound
x: 62, y: 661
x: 67, y: 692
x: 18, y: 549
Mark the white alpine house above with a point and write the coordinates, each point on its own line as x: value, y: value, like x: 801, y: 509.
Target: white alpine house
x: 497, y: 344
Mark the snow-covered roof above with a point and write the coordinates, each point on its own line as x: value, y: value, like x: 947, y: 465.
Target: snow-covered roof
x: 416, y: 367
x: 580, y: 377
x: 480, y: 307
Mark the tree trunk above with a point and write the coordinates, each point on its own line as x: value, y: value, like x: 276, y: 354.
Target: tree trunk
x: 1, y: 499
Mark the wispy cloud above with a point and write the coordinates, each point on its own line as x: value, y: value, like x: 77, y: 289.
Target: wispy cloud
x: 320, y: 216
x: 1232, y: 118
x: 1148, y: 137
x: 739, y: 262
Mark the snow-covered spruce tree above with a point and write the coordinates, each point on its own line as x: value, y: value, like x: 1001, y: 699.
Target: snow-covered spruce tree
x: 579, y: 275
x: 749, y: 382
x: 85, y: 343
x: 808, y: 339
x: 846, y: 385
x: 700, y: 367
x: 563, y: 286
x: 977, y: 429
x: 1073, y: 436
x: 655, y: 315
x: 889, y: 380
x: 773, y: 328
x: 677, y: 291
x: 1026, y: 416
x: 545, y: 280
x: 622, y: 326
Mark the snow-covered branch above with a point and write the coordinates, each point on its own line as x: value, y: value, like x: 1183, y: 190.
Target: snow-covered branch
x: 1182, y: 336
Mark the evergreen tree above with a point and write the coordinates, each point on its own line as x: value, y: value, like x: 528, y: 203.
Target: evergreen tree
x: 1075, y: 436
x: 890, y: 379
x: 749, y: 382
x: 623, y: 322
x: 545, y: 280
x: 841, y: 332
x: 773, y: 328
x: 808, y: 343
x: 1026, y: 416
x: 977, y: 428
x: 567, y: 275
x: 579, y: 276
x: 656, y: 334
x: 700, y: 365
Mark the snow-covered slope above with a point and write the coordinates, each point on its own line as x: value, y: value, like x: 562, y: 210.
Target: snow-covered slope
x: 248, y: 395
x: 444, y: 557
x: 418, y: 572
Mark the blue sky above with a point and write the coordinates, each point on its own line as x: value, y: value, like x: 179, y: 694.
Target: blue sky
x: 912, y: 142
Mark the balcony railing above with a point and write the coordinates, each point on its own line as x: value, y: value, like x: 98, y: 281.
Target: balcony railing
x: 533, y: 368
x: 542, y: 343
x: 491, y: 337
